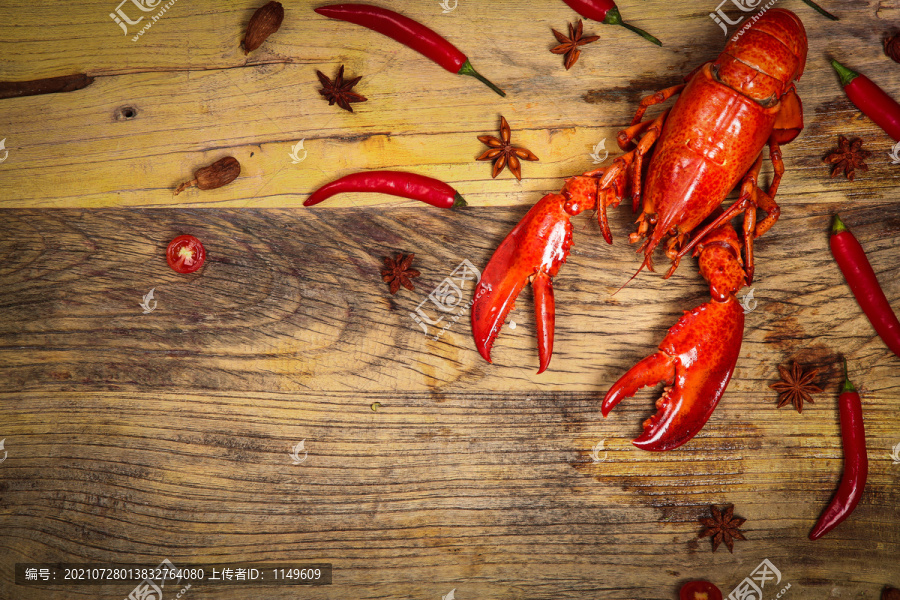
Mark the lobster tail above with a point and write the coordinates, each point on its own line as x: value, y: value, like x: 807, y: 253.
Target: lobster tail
x: 763, y: 59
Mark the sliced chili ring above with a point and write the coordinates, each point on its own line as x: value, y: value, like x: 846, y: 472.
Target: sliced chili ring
x: 699, y: 590
x: 185, y: 254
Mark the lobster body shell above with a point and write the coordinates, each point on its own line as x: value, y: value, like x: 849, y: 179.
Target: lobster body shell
x: 709, y: 141
x: 719, y: 125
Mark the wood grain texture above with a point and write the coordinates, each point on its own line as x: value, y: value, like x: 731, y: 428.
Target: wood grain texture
x: 196, y: 98
x: 420, y: 497
x: 133, y: 437
x: 292, y: 300
x: 470, y: 476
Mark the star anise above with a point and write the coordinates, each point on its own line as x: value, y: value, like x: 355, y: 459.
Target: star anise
x: 849, y: 156
x: 723, y: 527
x: 890, y: 593
x: 340, y: 91
x: 569, y: 45
x: 796, y: 386
x: 397, y: 272
x: 505, y: 153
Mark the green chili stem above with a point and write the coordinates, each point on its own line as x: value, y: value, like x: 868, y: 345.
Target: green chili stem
x: 846, y: 75
x: 458, y: 200
x: 820, y: 10
x: 614, y: 17
x: 641, y: 32
x: 848, y: 385
x: 837, y: 226
x: 467, y: 69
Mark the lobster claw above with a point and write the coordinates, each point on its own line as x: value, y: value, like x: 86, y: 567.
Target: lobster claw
x: 534, y: 250
x: 695, y: 361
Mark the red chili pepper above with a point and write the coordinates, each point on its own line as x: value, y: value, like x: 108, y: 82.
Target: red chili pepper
x: 185, y: 254
x: 856, y: 462
x: 870, y: 99
x: 857, y: 270
x: 397, y: 183
x: 408, y: 32
x: 606, y: 12
x: 699, y: 590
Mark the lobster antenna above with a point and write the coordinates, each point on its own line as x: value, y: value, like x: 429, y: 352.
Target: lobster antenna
x: 630, y: 279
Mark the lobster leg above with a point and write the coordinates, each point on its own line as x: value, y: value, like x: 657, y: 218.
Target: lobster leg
x: 753, y: 198
x: 625, y: 138
x: 641, y: 151
x: 788, y: 125
x: 749, y: 237
x: 610, y: 183
x: 766, y: 201
x: 653, y: 99
x: 696, y: 359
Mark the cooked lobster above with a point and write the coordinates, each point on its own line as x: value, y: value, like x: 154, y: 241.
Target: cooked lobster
x: 678, y: 169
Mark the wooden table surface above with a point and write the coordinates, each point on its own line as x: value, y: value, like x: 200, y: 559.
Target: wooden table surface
x: 133, y: 437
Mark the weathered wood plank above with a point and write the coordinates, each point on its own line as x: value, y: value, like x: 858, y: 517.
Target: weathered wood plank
x: 486, y: 493
x: 136, y: 437
x: 294, y: 301
x: 196, y: 97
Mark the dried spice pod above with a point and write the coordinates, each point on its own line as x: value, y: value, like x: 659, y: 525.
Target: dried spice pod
x: 340, y: 91
x: 569, y: 45
x: 723, y: 527
x: 892, y: 47
x: 503, y: 153
x: 49, y: 85
x: 398, y: 271
x: 264, y: 22
x: 848, y: 157
x: 221, y: 172
x: 796, y: 386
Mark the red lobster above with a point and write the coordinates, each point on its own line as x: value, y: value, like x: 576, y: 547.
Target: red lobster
x: 699, y: 150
